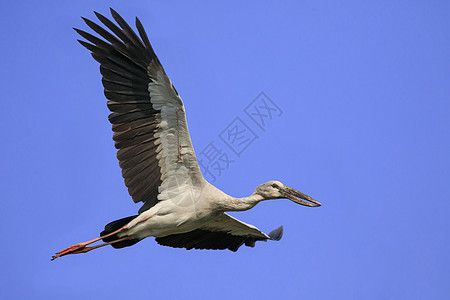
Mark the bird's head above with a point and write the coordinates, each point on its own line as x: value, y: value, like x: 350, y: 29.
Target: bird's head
x: 277, y: 190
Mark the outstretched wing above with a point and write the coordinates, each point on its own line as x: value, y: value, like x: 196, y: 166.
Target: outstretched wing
x: 148, y: 117
x: 224, y: 232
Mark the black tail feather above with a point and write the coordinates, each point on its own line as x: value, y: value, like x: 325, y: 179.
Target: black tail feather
x: 113, y: 226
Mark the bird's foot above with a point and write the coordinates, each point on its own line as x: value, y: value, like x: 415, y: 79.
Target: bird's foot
x: 70, y: 250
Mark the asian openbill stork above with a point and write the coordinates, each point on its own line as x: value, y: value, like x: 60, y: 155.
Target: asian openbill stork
x: 181, y: 209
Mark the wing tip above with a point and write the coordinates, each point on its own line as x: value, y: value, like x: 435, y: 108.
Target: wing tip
x: 277, y: 234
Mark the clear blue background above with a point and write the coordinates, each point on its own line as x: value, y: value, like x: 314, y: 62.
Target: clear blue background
x: 365, y: 93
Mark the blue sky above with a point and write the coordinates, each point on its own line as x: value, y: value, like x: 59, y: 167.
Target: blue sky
x: 365, y: 99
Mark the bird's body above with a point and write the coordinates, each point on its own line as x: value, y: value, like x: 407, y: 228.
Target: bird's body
x: 170, y: 217
x: 192, y: 212
x: 159, y: 166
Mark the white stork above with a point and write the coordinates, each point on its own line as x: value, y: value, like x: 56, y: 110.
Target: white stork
x: 181, y: 209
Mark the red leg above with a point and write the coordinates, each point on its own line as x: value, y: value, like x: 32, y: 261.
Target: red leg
x: 78, y: 248
x: 87, y: 249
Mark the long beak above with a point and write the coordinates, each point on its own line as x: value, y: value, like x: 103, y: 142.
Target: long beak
x: 296, y: 196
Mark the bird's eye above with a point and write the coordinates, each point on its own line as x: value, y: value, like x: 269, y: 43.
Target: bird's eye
x: 274, y: 185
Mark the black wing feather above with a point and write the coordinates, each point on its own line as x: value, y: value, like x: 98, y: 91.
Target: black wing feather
x: 124, y: 59
x: 205, y: 239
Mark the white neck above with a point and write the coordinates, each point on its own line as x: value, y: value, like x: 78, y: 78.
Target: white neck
x: 239, y: 204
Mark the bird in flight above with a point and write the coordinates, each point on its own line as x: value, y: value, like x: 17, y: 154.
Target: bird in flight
x: 180, y: 208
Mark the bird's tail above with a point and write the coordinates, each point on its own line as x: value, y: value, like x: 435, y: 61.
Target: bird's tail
x: 115, y: 225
